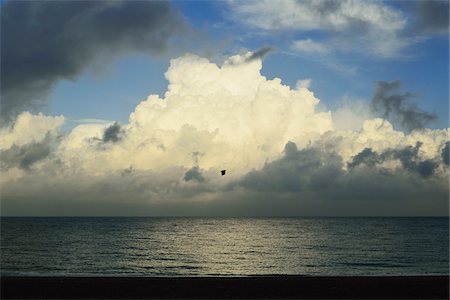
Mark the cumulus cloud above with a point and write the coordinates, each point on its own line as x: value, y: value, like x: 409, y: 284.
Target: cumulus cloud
x: 24, y: 156
x: 282, y: 156
x: 29, y: 128
x: 46, y: 41
x: 30, y: 140
x: 351, y: 114
x: 396, y: 106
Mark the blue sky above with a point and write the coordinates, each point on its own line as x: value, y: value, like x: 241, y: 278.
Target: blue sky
x: 113, y: 91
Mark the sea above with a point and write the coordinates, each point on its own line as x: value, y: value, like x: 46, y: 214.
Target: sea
x: 118, y: 246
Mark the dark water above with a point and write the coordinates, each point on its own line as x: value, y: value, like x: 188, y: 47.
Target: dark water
x: 224, y: 246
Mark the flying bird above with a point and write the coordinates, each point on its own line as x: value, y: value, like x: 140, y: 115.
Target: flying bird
x: 223, y: 172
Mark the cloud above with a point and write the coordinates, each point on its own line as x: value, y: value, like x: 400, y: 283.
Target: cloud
x: 408, y: 156
x: 26, y: 155
x: 309, y: 46
x: 230, y: 113
x: 46, y: 41
x: 304, y: 83
x: 195, y: 174
x: 376, y: 27
x: 432, y: 17
x: 313, y: 181
x: 282, y: 155
x: 112, y: 134
x: 395, y: 106
x: 90, y: 121
x: 260, y: 54
x: 28, y: 128
x: 296, y: 171
x: 446, y: 153
x: 351, y: 114
x: 367, y: 157
x: 30, y: 139
x: 314, y: 15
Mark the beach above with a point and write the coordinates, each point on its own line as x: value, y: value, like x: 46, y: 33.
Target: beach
x: 268, y: 287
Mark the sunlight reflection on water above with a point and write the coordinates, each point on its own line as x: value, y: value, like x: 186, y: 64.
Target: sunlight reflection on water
x: 224, y: 246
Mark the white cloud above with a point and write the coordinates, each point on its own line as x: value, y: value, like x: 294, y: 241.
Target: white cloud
x: 93, y: 121
x: 304, y: 83
x: 232, y: 114
x: 309, y: 46
x: 317, y: 14
x: 373, y: 26
x: 351, y: 114
x: 29, y: 128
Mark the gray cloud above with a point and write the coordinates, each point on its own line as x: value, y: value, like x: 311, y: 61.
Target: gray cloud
x: 296, y: 171
x: 312, y: 181
x: 432, y: 16
x: 113, y: 133
x: 408, y: 157
x: 195, y: 174
x: 260, y: 53
x: 25, y: 156
x: 397, y: 107
x: 46, y: 41
x: 367, y: 157
x: 446, y: 153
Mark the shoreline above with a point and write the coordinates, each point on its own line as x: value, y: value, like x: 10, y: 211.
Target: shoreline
x: 268, y: 287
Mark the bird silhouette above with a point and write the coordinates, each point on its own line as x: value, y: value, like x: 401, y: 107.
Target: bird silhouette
x: 223, y: 172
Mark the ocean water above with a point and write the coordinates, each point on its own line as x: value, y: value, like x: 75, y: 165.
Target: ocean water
x: 223, y: 246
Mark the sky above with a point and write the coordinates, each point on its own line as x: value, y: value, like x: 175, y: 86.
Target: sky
x: 314, y: 108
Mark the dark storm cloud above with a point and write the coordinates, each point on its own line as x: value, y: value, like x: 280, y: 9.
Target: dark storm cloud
x: 312, y: 181
x: 296, y: 171
x: 25, y: 156
x: 408, y: 157
x: 432, y: 17
x: 112, y: 134
x: 397, y: 107
x: 194, y: 173
x: 46, y: 41
x: 367, y: 157
x: 259, y: 54
x: 446, y: 153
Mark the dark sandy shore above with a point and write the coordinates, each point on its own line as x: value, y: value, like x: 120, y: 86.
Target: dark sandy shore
x: 269, y: 287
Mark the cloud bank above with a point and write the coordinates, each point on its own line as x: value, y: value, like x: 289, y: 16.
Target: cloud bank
x: 46, y: 41
x: 282, y: 155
